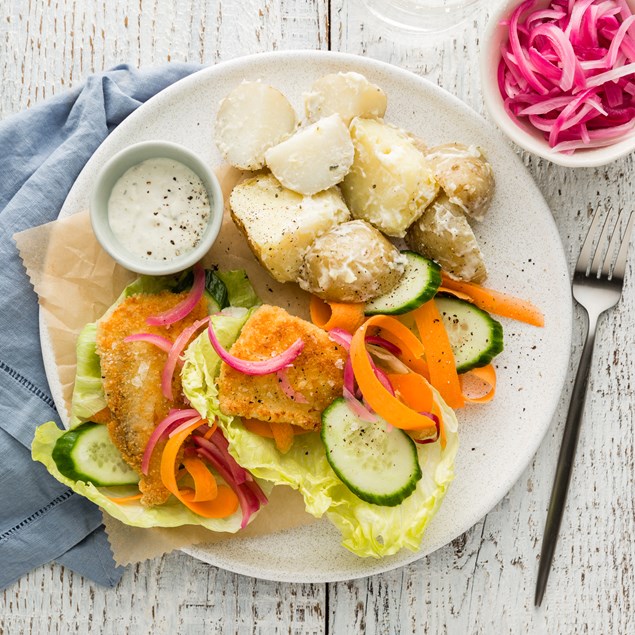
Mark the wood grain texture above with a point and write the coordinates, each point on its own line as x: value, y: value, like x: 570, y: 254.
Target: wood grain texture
x: 484, y: 581
x: 49, y: 45
x: 174, y: 594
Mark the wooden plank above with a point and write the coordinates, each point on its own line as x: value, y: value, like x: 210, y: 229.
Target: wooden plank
x: 484, y: 581
x: 47, y: 47
x: 174, y: 594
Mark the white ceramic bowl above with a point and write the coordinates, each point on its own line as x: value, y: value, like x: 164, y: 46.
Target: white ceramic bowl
x: 522, y: 133
x: 110, y: 174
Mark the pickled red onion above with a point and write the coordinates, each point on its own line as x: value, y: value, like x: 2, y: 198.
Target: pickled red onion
x: 249, y: 494
x: 437, y: 425
x: 341, y: 337
x: 358, y: 408
x: 259, y: 367
x: 158, y: 340
x: 162, y: 429
x: 181, y: 426
x: 568, y: 71
x: 383, y: 378
x: 174, y: 356
x: 184, y: 308
x: 350, y: 391
x: 349, y: 377
x: 383, y: 343
x: 240, y: 474
x: 390, y: 361
x: 288, y: 389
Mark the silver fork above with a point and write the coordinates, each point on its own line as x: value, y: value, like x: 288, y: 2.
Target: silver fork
x: 597, y: 287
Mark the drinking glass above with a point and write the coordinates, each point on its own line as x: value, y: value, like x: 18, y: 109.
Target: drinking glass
x: 422, y: 15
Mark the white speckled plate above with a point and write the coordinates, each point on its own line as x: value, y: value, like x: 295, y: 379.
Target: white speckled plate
x: 522, y: 249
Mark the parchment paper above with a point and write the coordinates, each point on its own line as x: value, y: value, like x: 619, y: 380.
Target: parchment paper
x: 76, y: 281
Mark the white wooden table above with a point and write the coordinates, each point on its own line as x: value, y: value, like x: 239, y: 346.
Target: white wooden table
x: 483, y: 582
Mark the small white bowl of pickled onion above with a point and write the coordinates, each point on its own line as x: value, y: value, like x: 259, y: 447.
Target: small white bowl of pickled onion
x: 558, y: 78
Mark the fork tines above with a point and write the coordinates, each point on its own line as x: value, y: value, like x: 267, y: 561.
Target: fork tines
x: 598, y: 252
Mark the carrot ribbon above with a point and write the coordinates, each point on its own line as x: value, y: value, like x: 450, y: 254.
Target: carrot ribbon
x: 205, y: 486
x: 495, y: 301
x: 281, y: 433
x: 388, y: 406
x: 224, y: 504
x: 412, y: 389
x: 487, y: 375
x: 331, y: 315
x: 125, y: 500
x: 439, y: 355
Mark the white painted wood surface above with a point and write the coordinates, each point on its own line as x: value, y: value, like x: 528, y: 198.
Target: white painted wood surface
x: 484, y: 581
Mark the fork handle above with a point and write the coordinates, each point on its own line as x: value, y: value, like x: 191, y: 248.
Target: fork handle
x: 565, y: 460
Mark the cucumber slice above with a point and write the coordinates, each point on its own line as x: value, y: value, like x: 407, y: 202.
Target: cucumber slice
x: 475, y: 336
x: 87, y: 453
x: 419, y: 283
x: 378, y: 465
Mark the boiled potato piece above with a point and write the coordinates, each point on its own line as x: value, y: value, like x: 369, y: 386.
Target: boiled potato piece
x: 419, y: 143
x: 347, y: 94
x: 314, y: 158
x: 280, y: 224
x: 352, y: 262
x: 465, y: 176
x: 443, y: 234
x: 390, y: 182
x: 250, y: 120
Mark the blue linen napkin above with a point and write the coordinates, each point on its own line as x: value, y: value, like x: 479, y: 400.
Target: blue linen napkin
x: 42, y: 150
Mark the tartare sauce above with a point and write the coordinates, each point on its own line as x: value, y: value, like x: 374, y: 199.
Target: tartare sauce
x: 159, y: 209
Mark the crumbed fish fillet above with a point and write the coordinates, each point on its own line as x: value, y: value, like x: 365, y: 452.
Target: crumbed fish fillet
x: 131, y: 374
x: 317, y: 373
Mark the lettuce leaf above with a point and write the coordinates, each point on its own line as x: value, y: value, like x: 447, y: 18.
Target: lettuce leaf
x: 367, y: 530
x: 223, y: 288
x: 239, y: 289
x: 171, y: 514
x: 88, y: 392
x: 88, y: 399
x: 149, y: 284
x: 201, y: 363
